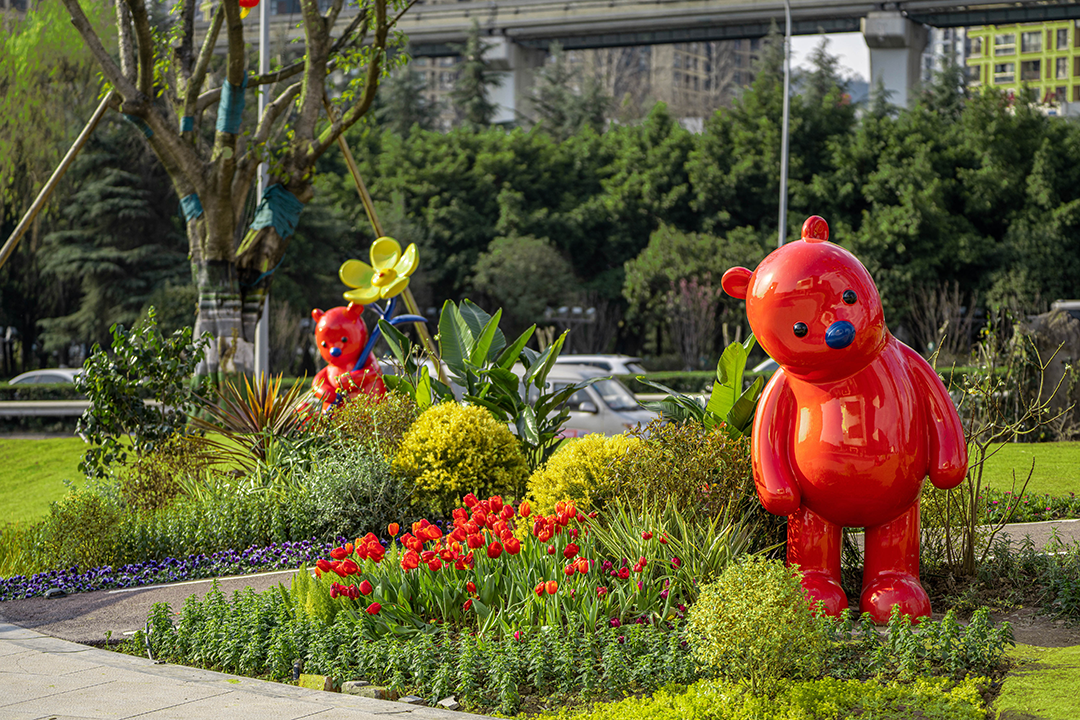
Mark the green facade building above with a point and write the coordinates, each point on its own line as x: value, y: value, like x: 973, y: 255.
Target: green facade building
x: 1044, y: 58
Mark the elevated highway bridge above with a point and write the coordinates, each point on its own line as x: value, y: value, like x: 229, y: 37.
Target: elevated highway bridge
x: 520, y: 31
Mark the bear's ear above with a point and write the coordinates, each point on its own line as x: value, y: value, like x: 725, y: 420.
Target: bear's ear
x: 353, y: 311
x: 736, y: 281
x: 317, y: 314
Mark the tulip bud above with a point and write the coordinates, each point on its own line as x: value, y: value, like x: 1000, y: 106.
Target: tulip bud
x: 374, y: 608
x: 494, y: 550
x: 646, y: 535
x: 470, y: 586
x: 366, y: 588
x: 525, y: 509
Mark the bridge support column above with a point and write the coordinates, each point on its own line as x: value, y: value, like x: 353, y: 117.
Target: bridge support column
x: 517, y: 66
x: 896, y: 46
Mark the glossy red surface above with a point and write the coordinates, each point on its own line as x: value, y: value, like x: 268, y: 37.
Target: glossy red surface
x: 851, y: 424
x: 340, y: 335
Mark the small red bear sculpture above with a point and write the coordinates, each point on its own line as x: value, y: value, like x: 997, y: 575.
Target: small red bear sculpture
x: 341, y: 336
x: 849, y: 426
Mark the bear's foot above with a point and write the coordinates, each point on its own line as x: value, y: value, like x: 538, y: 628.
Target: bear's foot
x: 824, y: 589
x: 881, y: 593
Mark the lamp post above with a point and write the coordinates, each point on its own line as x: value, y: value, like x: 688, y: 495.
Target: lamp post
x: 784, y: 132
x: 262, y: 328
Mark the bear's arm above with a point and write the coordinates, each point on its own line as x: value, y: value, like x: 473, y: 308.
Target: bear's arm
x: 948, y: 447
x: 777, y: 487
x: 322, y: 387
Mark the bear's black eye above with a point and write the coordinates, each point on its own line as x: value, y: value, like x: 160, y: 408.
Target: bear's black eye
x: 323, y: 343
x: 850, y: 297
x: 344, y: 339
x: 800, y: 329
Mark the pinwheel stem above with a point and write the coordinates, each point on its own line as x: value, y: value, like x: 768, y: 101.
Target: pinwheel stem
x: 369, y: 208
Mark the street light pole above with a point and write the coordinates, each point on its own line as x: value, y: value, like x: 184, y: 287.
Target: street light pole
x: 784, y: 132
x: 262, y: 328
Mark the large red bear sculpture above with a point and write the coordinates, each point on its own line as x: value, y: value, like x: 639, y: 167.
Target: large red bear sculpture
x: 849, y: 426
x: 341, y: 336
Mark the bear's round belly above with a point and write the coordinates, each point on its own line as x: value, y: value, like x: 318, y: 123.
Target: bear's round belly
x: 859, y: 451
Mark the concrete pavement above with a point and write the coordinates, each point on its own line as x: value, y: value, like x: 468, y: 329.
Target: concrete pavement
x: 45, y: 677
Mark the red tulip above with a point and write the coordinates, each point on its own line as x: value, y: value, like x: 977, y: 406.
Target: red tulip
x: 460, y: 514
x: 663, y: 539
x: 570, y: 551
x: 540, y: 588
x: 624, y: 573
x: 393, y: 529
x: 374, y: 608
x: 513, y: 545
x: 467, y: 605
x: 551, y: 549
x: 366, y: 588
x: 646, y: 535
x: 339, y: 553
x: 474, y: 541
x: 601, y: 591
x: 459, y: 534
x: 470, y: 500
x: 496, y: 503
x: 494, y: 550
x: 334, y: 591
x: 410, y: 560
x: 322, y: 565
x: 479, y: 517
x: 349, y: 567
x: 552, y: 587
x: 525, y: 509
x: 569, y: 570
x: 434, y: 564
x: 507, y: 512
x: 499, y: 527
x: 582, y: 565
x: 470, y: 587
x: 348, y: 547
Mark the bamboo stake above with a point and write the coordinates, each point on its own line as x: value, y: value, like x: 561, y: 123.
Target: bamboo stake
x: 369, y: 208
x: 54, y: 180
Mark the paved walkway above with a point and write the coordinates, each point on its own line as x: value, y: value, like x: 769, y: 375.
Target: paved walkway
x: 45, y: 677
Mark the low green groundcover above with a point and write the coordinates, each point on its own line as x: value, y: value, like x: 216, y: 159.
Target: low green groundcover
x: 1044, y: 684
x: 826, y: 699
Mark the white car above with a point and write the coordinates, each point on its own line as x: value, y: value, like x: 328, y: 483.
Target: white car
x: 610, y: 364
x: 606, y: 406
x: 46, y: 376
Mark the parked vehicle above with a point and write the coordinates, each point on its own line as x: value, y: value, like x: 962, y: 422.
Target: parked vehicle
x: 606, y: 406
x: 610, y: 364
x: 46, y: 376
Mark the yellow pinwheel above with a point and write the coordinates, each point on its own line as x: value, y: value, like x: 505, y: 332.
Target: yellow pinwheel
x: 386, y: 276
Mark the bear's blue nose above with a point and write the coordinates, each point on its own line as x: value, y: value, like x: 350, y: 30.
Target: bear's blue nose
x: 336, y: 351
x: 840, y: 334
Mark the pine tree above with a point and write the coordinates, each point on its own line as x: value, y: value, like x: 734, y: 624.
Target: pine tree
x: 470, y: 96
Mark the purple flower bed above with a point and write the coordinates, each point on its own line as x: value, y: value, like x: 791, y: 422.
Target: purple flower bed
x: 194, y: 567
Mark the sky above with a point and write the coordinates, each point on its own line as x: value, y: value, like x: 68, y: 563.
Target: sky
x: 849, y: 47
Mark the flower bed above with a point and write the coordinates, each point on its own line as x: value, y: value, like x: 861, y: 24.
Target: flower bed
x: 193, y: 567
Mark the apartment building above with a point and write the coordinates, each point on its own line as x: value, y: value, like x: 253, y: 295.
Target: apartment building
x: 1043, y: 58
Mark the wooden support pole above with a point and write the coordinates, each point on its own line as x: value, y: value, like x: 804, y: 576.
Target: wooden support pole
x: 369, y: 208
x: 54, y: 180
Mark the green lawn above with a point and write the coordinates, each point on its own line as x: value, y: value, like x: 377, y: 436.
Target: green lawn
x: 1043, y: 684
x: 32, y: 474
x: 1057, y: 467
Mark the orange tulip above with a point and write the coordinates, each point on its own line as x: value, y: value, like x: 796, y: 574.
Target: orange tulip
x: 552, y: 587
x: 525, y: 509
x: 393, y: 529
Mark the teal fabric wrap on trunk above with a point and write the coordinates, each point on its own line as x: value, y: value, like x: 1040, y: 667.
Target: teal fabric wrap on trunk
x: 191, y: 206
x: 141, y: 124
x: 279, y: 208
x: 231, y: 107
x: 187, y: 123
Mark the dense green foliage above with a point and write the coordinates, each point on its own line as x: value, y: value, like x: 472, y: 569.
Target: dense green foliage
x: 755, y: 624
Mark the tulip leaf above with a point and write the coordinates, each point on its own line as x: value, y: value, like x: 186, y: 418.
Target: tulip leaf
x: 480, y: 608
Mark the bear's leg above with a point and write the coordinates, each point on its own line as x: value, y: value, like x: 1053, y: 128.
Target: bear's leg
x: 813, y: 543
x: 891, y: 570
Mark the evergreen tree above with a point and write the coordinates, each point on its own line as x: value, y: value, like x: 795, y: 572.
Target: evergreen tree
x: 564, y: 102
x: 470, y: 96
x: 402, y: 103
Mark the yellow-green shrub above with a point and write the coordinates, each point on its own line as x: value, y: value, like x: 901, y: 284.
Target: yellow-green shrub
x: 153, y: 480
x: 826, y: 699
x: 455, y: 449
x: 581, y: 470
x: 755, y: 624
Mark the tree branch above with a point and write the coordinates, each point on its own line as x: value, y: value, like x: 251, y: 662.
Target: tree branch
x: 193, y: 104
x: 145, y: 42
x: 185, y: 53
x: 315, y: 38
x: 333, y: 12
x: 125, y: 43
x: 271, y: 113
x: 112, y: 73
